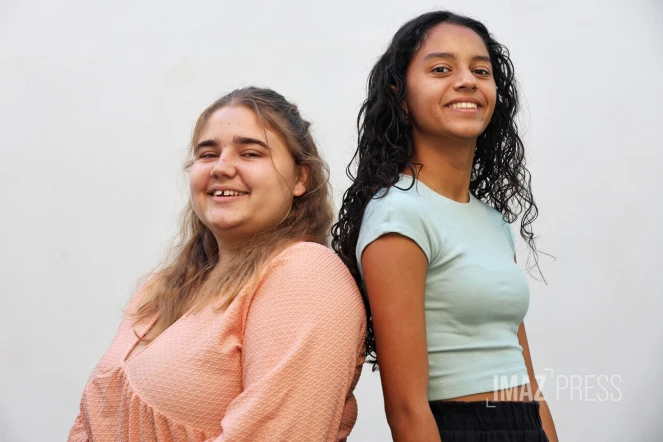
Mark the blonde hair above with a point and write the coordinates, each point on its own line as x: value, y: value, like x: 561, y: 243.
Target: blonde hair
x: 195, y: 275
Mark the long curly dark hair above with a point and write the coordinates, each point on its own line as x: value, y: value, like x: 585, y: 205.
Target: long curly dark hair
x: 499, y: 176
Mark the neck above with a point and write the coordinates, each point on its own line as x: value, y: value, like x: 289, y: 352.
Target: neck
x: 228, y: 243
x: 447, y: 164
x: 226, y: 247
x: 237, y: 241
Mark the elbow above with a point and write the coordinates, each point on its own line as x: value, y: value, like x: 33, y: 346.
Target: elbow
x: 404, y: 414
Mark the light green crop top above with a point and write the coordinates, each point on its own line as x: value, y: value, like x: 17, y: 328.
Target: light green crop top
x: 476, y: 295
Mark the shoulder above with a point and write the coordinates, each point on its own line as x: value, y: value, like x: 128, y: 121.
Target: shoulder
x: 403, y: 209
x: 493, y: 216
x: 305, y: 255
x: 400, y: 205
x: 489, y: 212
x: 403, y: 195
x: 310, y: 274
x: 495, y: 219
x: 308, y: 291
x: 307, y: 263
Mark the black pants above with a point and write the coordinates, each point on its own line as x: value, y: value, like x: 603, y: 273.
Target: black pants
x: 488, y: 421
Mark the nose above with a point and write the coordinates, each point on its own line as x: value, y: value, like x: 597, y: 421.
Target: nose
x: 466, y: 81
x: 225, y: 166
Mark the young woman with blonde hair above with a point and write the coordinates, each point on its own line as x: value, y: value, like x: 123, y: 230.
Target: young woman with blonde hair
x: 254, y: 330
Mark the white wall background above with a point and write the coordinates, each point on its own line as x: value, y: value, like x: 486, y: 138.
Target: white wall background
x: 97, y: 101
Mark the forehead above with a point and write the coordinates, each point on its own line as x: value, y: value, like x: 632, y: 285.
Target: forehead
x: 456, y: 39
x: 232, y: 120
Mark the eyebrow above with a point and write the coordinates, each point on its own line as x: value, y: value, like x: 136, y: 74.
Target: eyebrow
x: 449, y: 55
x: 206, y: 143
x: 237, y: 139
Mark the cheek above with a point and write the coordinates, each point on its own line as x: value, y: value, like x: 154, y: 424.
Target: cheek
x: 492, y: 94
x: 198, y: 178
x: 424, y: 98
x: 416, y: 105
x: 282, y: 173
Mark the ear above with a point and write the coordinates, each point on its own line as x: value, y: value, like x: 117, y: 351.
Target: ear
x: 301, y: 184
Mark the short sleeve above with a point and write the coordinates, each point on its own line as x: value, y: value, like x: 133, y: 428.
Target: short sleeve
x: 302, y: 352
x: 396, y: 212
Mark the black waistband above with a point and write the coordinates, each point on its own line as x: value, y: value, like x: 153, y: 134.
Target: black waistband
x: 486, y: 415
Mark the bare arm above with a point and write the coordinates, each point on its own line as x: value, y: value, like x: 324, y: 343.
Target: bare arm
x: 546, y: 416
x: 395, y: 275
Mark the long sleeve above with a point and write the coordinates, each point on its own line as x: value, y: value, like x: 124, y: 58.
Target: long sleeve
x: 77, y: 432
x: 302, y: 352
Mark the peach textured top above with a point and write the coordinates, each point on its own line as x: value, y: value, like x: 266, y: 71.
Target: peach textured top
x: 278, y: 364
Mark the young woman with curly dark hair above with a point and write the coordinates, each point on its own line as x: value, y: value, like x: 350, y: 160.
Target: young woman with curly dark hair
x: 424, y: 229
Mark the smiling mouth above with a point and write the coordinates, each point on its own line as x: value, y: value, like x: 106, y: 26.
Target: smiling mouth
x: 228, y: 193
x: 463, y: 105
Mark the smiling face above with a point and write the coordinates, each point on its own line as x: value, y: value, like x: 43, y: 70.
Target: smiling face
x: 243, y: 177
x: 450, y: 88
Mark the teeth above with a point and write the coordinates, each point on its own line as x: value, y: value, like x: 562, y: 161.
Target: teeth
x: 227, y: 193
x: 463, y: 105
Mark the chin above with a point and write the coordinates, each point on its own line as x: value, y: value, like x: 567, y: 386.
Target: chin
x: 460, y: 135
x: 219, y: 224
x: 467, y: 133
x: 223, y: 225
x: 469, y: 136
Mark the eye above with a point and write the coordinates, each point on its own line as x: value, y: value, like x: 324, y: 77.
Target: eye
x: 208, y: 155
x: 484, y: 72
x: 441, y: 69
x: 250, y: 154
